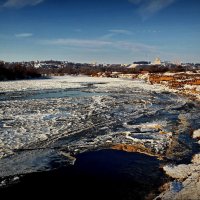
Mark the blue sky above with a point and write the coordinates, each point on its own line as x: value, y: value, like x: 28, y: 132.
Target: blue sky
x: 106, y: 31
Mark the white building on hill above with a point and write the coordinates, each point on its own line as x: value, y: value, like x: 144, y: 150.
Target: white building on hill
x: 157, y: 61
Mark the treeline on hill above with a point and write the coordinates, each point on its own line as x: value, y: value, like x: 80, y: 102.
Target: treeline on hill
x: 87, y: 69
x: 17, y: 72
x: 160, y: 68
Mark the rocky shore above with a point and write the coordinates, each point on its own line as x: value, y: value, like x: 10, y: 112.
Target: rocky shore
x: 186, y: 177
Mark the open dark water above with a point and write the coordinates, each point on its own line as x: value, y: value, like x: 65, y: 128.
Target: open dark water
x: 102, y: 174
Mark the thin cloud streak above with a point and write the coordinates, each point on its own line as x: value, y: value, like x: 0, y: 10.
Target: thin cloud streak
x: 101, y: 44
x: 148, y: 8
x: 77, y: 42
x: 21, y: 3
x: 115, y: 32
x: 23, y: 35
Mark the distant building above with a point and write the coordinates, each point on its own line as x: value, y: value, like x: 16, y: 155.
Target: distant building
x: 125, y: 65
x: 139, y: 63
x: 37, y: 64
x: 94, y: 63
x: 157, y: 61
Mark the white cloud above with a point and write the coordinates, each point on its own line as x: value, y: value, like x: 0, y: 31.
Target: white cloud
x: 147, y: 8
x: 77, y: 42
x: 23, y: 35
x: 134, y: 47
x: 101, y: 44
x: 115, y: 32
x: 21, y: 3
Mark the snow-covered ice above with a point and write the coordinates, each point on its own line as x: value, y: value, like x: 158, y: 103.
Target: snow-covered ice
x: 24, y: 122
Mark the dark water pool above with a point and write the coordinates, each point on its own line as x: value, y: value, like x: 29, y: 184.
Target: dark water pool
x: 103, y: 174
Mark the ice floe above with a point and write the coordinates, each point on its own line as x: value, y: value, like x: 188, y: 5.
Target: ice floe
x: 126, y: 111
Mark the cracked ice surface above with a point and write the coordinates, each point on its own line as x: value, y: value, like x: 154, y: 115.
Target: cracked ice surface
x: 129, y: 112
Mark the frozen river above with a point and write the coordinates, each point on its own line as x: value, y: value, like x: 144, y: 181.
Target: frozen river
x: 53, y: 120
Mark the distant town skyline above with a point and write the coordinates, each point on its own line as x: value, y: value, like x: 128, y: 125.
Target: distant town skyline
x: 106, y: 31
